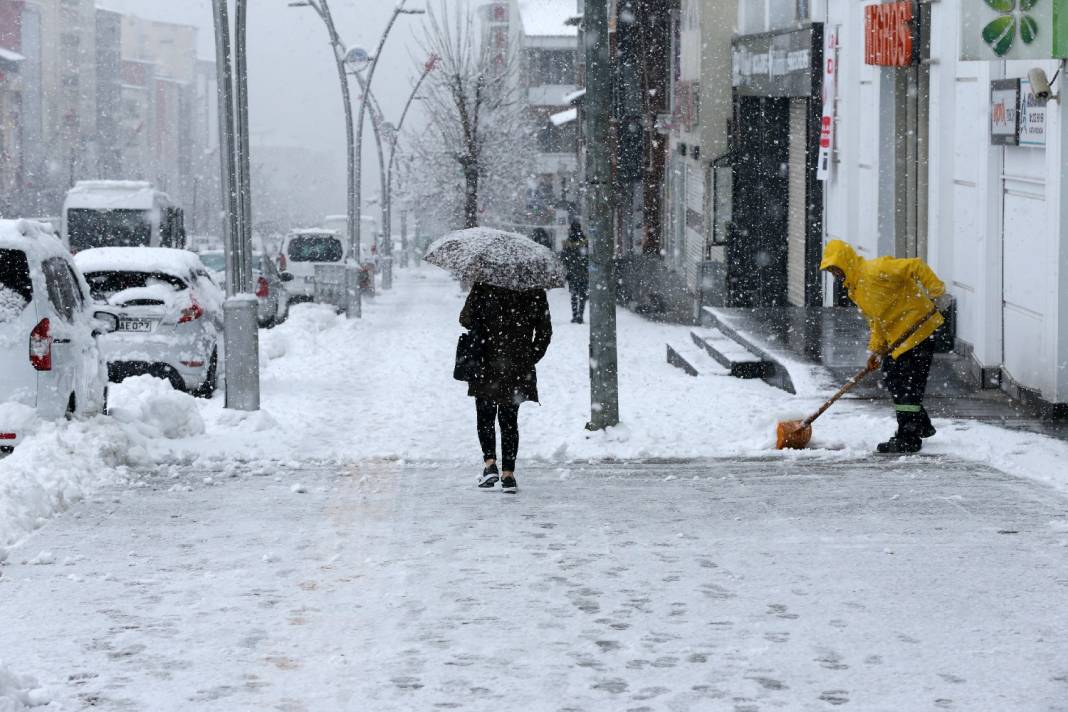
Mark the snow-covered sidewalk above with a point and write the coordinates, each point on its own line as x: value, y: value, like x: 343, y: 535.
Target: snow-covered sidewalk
x: 337, y: 391
x: 721, y: 585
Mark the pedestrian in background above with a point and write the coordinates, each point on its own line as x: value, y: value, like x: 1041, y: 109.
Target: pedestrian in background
x: 513, y: 330
x: 576, y: 259
x: 895, y: 294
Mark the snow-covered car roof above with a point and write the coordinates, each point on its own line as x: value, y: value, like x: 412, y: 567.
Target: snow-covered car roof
x: 165, y: 260
x: 313, y: 231
x: 104, y: 194
x: 33, y: 238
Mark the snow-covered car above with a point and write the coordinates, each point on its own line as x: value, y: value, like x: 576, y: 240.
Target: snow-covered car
x: 168, y: 311
x: 301, y: 251
x: 50, y: 359
x: 267, y: 282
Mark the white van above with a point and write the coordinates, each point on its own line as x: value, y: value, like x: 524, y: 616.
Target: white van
x: 112, y: 213
x: 301, y: 251
x: 49, y: 356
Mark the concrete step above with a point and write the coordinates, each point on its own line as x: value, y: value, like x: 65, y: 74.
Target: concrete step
x: 770, y: 369
x: 689, y: 358
x: 730, y: 354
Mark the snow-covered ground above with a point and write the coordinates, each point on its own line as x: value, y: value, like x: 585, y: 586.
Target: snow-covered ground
x: 338, y: 391
x: 217, y: 550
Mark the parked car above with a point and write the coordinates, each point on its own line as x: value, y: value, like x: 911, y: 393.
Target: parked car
x: 168, y: 312
x: 50, y: 359
x: 301, y: 251
x: 267, y: 282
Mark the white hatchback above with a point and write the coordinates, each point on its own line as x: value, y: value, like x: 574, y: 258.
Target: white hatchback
x: 168, y: 312
x: 50, y: 360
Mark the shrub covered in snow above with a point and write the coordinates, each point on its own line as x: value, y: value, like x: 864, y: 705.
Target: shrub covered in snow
x: 20, y: 692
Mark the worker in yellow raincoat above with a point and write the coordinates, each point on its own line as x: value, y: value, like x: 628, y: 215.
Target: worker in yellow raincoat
x: 894, y: 294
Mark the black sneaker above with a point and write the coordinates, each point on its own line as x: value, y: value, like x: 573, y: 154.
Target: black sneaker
x: 508, y: 485
x: 489, y: 477
x: 900, y: 446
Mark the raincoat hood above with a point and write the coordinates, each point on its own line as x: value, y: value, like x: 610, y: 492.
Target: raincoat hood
x: 839, y: 254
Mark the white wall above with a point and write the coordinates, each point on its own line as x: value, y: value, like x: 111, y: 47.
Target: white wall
x: 852, y: 192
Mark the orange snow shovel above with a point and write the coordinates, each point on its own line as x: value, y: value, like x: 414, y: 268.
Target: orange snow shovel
x: 795, y: 434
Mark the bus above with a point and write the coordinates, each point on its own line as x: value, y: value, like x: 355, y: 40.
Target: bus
x: 109, y: 213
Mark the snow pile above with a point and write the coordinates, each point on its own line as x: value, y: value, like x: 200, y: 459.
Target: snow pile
x: 11, y: 304
x: 155, y: 409
x: 56, y: 464
x: 19, y: 692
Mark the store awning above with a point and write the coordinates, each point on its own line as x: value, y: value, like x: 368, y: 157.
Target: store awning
x: 564, y: 117
x: 574, y: 96
x: 10, y: 56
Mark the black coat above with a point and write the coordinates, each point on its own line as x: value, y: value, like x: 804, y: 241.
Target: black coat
x: 576, y: 259
x: 516, y: 329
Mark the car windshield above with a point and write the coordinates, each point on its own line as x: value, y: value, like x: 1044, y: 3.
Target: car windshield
x: 315, y: 248
x: 215, y: 261
x: 102, y: 285
x: 107, y: 228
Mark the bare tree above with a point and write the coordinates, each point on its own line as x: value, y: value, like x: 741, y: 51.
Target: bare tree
x: 477, y: 119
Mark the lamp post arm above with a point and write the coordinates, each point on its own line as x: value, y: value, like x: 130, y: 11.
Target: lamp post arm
x: 393, y: 146
x: 363, y: 109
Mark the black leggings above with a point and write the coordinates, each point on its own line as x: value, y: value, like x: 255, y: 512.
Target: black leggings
x: 488, y: 412
x: 579, y: 295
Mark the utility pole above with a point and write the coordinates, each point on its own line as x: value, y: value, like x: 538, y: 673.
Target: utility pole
x: 240, y: 328
x: 604, y: 377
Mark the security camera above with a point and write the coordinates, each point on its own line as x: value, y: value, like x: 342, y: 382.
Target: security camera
x: 1040, y: 85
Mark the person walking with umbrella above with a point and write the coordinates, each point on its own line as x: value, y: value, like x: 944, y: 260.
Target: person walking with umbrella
x: 509, y: 331
x: 576, y: 259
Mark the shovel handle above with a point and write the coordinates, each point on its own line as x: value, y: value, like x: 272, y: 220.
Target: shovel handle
x: 861, y: 375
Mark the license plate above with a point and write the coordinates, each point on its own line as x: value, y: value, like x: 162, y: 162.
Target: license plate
x: 135, y: 325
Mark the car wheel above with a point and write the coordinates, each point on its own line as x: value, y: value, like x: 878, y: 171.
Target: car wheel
x: 72, y: 406
x: 207, y: 388
x: 104, y: 410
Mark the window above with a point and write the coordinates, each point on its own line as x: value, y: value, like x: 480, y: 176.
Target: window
x: 551, y: 67
x: 60, y: 288
x: 16, y: 289
x: 315, y: 248
x: 108, y: 228
x: 103, y: 285
x: 76, y: 288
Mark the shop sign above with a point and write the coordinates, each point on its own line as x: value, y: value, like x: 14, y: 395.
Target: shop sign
x: 1032, y: 117
x: 1013, y: 29
x: 830, y: 72
x: 1004, y: 112
x: 775, y: 64
x: 888, y: 34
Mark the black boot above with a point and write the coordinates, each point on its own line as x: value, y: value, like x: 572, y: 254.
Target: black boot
x: 927, y: 428
x: 907, y: 438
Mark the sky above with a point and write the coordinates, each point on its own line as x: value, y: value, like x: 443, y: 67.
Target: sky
x: 294, y: 96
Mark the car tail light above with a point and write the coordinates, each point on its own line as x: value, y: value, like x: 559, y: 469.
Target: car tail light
x: 262, y: 288
x: 41, y: 346
x: 282, y: 262
x: 8, y: 436
x: 191, y: 312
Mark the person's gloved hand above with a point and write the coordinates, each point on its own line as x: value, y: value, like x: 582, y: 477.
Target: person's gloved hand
x: 875, y: 360
x: 943, y: 302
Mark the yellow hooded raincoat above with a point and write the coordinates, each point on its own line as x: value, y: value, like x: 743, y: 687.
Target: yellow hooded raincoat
x: 892, y: 293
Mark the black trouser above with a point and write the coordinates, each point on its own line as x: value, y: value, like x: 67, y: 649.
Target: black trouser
x: 906, y: 379
x: 489, y: 411
x: 579, y: 294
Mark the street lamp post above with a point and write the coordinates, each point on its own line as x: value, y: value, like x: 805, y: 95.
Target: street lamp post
x: 397, y: 11
x: 352, y: 212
